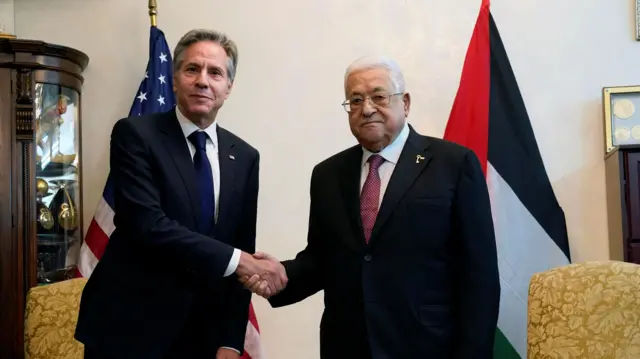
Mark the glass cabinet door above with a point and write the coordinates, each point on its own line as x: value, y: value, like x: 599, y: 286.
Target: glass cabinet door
x: 57, y: 181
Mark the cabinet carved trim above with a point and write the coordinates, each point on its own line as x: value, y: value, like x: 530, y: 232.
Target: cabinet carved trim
x: 24, y: 106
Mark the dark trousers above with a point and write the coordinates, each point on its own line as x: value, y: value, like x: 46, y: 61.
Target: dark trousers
x: 174, y: 353
x: 90, y: 353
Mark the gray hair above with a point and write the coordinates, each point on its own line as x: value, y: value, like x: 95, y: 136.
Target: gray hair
x: 199, y: 35
x: 373, y: 62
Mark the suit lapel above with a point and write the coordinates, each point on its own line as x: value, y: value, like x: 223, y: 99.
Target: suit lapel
x: 413, y: 160
x: 350, y: 188
x: 227, y: 160
x: 178, y: 150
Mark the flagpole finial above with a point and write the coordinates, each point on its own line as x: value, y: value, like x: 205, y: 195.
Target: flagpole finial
x: 153, y: 12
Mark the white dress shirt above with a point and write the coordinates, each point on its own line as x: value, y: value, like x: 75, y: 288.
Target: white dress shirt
x: 211, y: 147
x: 391, y: 154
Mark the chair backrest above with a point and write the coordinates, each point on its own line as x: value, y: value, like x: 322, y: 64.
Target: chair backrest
x: 51, y: 315
x: 586, y: 310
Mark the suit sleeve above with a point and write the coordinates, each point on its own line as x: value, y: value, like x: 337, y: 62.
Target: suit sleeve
x: 305, y: 270
x: 139, y: 211
x: 237, y: 313
x: 477, y: 281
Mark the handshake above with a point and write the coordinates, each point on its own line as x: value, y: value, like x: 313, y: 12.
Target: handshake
x: 262, y: 274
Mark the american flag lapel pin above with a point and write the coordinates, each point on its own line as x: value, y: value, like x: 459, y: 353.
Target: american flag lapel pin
x: 232, y: 157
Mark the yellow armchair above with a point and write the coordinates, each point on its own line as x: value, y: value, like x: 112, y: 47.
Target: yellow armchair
x: 587, y: 310
x: 50, y: 321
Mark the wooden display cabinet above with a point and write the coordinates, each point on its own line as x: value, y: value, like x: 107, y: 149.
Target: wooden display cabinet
x: 621, y: 106
x: 623, y: 204
x: 41, y: 165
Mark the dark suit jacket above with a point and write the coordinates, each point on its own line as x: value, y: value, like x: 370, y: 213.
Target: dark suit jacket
x: 159, y: 286
x: 426, y: 285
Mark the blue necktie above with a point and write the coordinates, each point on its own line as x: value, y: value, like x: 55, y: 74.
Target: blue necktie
x: 205, y: 180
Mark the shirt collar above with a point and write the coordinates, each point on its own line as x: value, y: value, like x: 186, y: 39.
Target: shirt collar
x: 392, y: 152
x: 189, y: 127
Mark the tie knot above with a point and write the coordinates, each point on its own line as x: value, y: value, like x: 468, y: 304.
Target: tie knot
x: 375, y: 161
x: 199, y: 139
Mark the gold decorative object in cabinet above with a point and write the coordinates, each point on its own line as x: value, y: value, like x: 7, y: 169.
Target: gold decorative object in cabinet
x: 41, y: 184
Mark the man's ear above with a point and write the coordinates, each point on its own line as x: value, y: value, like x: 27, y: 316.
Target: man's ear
x: 226, y: 95
x: 406, y: 98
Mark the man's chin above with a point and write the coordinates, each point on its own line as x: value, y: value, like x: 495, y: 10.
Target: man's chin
x: 201, y: 111
x: 372, y: 144
x: 371, y: 134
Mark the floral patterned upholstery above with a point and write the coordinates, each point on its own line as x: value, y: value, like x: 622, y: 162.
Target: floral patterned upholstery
x: 50, y: 321
x: 588, y: 310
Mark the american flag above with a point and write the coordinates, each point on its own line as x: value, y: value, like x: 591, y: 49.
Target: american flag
x: 155, y: 94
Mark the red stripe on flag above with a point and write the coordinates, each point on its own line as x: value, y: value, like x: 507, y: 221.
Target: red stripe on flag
x: 253, y: 320
x: 252, y: 317
x: 468, y: 123
x: 96, y: 239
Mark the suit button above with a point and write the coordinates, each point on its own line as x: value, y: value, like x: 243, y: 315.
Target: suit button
x: 367, y: 257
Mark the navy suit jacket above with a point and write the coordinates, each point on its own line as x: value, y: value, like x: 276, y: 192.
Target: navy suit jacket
x: 426, y: 285
x: 159, y: 289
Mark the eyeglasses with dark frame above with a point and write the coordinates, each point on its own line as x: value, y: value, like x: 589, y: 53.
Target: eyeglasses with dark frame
x: 377, y: 100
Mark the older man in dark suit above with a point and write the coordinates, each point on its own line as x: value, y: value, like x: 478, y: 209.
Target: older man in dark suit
x: 400, y: 237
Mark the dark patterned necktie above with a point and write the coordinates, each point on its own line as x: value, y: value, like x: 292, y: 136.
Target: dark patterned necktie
x: 370, y: 196
x: 204, y: 179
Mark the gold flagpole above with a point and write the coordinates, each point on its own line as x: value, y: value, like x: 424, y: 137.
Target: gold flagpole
x: 153, y: 12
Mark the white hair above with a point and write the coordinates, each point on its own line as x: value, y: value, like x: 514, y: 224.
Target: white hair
x: 374, y: 62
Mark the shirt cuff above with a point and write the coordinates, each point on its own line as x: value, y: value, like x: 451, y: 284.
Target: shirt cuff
x: 235, y: 350
x: 233, y: 263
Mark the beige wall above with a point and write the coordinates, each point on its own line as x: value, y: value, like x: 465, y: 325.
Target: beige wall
x: 289, y: 87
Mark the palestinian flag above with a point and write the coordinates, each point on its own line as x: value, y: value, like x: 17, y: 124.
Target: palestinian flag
x: 489, y: 116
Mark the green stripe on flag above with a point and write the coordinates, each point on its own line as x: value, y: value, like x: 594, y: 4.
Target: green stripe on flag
x: 502, y: 349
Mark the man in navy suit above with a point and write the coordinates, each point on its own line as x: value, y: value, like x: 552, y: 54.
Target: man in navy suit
x: 186, y: 193
x: 400, y: 237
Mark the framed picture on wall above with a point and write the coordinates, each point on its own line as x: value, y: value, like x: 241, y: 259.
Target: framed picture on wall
x: 621, y: 106
x: 637, y: 20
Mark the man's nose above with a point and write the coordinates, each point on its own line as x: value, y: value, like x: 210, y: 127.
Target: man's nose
x: 368, y: 109
x: 202, y: 80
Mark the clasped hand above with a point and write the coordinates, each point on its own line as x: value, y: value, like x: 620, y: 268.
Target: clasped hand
x: 262, y: 274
